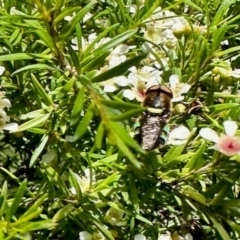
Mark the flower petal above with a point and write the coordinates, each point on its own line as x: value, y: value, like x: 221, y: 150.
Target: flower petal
x: 2, y: 69
x: 230, y: 127
x: 178, y: 135
x: 177, y: 99
x: 209, y: 134
x: 129, y: 94
x: 84, y: 235
x: 164, y: 236
x: 185, y: 88
x: 121, y: 81
x: 139, y: 237
x: 173, y: 80
x: 109, y: 88
x: 228, y: 145
x: 153, y: 81
x: 188, y: 236
x: 12, y: 127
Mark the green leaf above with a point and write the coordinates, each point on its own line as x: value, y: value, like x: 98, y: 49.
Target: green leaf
x: 69, y: 28
x: 122, y: 134
x: 193, y: 5
x: 223, y: 233
x: 126, y: 115
x: 75, y: 184
x: 33, y: 122
x: 65, y: 13
x: 47, y: 39
x: 128, y: 153
x: 119, y: 69
x: 134, y: 195
x: 100, y: 36
x: 115, y: 41
x: 3, y: 199
x: 99, y: 136
x: 54, y: 177
x: 197, y: 160
x: 45, y: 97
x: 94, y: 62
x: 63, y: 212
x: 104, y: 184
x: 38, y: 66
x: 222, y: 53
x: 77, y: 107
x: 82, y: 126
x: 25, y: 56
x: 222, y: 10
x: 17, y: 199
x: 195, y: 195
x: 38, y: 150
x: 121, y: 105
x: 31, y: 213
x: 102, y: 228
x: 223, y: 107
x: 68, y: 86
x: 35, y: 226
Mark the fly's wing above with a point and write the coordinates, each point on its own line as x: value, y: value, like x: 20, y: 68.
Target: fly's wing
x: 162, y: 138
x: 150, y: 130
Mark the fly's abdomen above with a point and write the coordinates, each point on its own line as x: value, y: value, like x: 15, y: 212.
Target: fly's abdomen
x: 153, y: 124
x: 150, y: 131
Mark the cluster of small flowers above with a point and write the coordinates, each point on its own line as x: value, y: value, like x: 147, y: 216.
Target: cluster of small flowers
x: 5, y: 103
x: 159, y: 29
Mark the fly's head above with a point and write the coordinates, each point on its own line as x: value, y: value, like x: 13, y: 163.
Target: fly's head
x: 158, y: 100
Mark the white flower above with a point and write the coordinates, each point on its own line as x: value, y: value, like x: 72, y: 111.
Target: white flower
x: 188, y: 236
x: 84, y: 182
x: 227, y: 144
x: 139, y: 237
x: 84, y: 235
x: 129, y: 94
x: 12, y: 127
x: 121, y: 81
x: 117, y: 56
x: 141, y: 79
x: 2, y: 69
x: 151, y: 59
x: 178, y: 88
x: 178, y: 135
x: 159, y: 28
x: 166, y: 236
x: 114, y: 216
x: 138, y: 79
x: 5, y: 103
x: 109, y: 88
x: 235, y: 73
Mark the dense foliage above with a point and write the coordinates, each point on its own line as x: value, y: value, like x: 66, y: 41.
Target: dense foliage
x: 75, y: 73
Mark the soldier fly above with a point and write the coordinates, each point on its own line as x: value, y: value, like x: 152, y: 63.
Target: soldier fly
x: 153, y: 122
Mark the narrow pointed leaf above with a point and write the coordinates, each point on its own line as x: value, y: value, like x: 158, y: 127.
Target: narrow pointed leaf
x: 17, y: 199
x: 38, y: 150
x: 82, y: 126
x: 45, y: 97
x: 119, y: 69
x: 33, y: 122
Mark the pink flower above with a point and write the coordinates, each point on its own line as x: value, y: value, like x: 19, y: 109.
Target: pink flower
x: 227, y: 144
